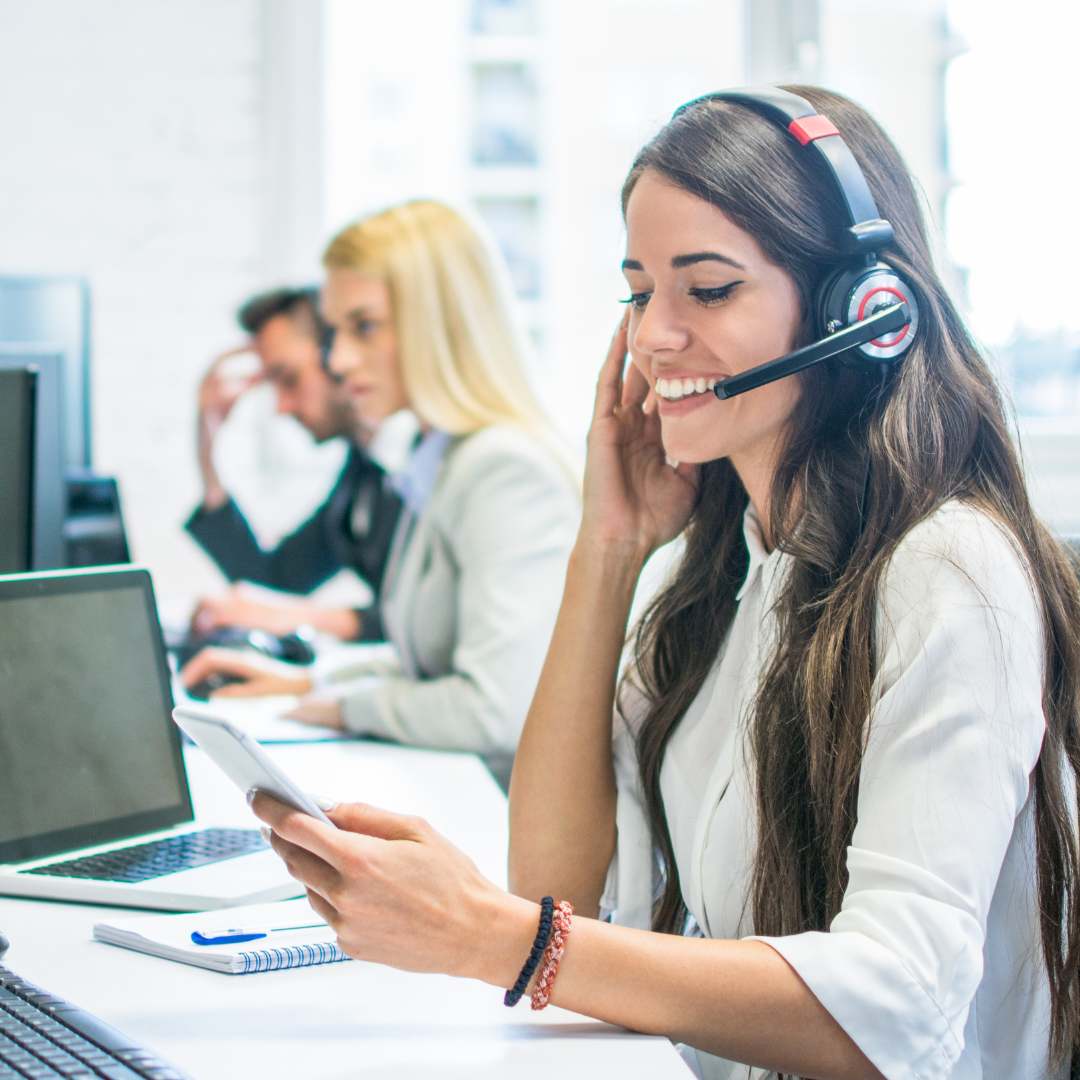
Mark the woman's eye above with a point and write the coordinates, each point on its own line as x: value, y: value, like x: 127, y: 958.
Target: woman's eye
x: 364, y: 328
x: 714, y: 296
x: 637, y: 299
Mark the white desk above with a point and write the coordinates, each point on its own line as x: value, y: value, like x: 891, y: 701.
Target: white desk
x: 339, y: 1020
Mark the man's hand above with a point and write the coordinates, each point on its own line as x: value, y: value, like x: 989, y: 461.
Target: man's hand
x: 218, y: 393
x: 276, y: 613
x: 240, y: 605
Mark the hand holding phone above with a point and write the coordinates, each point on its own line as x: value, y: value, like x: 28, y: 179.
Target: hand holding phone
x: 242, y: 759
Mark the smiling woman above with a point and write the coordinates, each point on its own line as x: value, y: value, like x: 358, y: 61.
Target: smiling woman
x: 826, y: 823
x: 706, y: 315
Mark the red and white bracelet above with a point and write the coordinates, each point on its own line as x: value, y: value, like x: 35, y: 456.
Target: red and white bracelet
x: 561, y: 923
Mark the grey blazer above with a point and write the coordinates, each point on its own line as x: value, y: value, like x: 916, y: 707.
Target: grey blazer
x: 469, y: 599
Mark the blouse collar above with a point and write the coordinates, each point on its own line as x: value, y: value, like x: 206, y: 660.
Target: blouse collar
x: 416, y: 481
x: 760, y: 555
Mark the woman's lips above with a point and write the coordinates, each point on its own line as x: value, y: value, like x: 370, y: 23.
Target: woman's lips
x: 684, y: 405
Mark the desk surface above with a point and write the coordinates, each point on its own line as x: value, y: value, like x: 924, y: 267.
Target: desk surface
x: 340, y: 1020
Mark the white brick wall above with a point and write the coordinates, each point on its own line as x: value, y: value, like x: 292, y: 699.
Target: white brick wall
x: 162, y: 150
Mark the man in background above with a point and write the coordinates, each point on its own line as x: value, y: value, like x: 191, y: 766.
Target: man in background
x: 352, y: 528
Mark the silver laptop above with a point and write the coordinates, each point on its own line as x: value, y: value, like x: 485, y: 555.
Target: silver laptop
x: 94, y: 799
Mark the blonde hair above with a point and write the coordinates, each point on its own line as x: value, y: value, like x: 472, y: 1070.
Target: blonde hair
x: 461, y: 355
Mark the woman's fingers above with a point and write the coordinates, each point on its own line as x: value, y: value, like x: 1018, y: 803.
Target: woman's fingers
x: 313, y: 872
x: 651, y: 427
x: 258, y: 676
x: 374, y: 821
x: 609, y: 384
x: 319, y: 711
x: 257, y: 687
x: 636, y: 388
x: 690, y: 473
x: 299, y: 828
x: 324, y: 909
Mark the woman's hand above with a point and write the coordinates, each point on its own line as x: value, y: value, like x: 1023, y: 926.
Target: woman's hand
x: 235, y: 674
x: 396, y: 892
x: 633, y: 497
x: 319, y: 710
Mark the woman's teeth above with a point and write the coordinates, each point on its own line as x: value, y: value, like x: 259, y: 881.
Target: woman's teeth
x: 673, y: 389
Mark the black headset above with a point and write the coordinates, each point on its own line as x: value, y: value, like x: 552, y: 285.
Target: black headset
x: 862, y: 309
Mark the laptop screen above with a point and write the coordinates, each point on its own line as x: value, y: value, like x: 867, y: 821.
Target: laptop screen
x: 88, y: 750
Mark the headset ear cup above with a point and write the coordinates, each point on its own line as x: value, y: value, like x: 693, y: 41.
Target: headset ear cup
x: 848, y: 295
x: 832, y: 300
x: 878, y: 287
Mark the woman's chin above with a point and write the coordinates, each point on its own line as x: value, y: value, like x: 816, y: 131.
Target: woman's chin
x: 690, y: 451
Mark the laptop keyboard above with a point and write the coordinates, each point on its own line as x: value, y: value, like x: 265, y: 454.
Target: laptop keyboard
x: 42, y: 1035
x: 157, y: 858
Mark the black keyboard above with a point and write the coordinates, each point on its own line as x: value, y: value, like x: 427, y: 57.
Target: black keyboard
x: 159, y: 857
x: 42, y: 1035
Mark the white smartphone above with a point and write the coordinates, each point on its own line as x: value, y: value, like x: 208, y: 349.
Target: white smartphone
x: 242, y: 759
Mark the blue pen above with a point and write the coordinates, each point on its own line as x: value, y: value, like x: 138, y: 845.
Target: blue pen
x: 235, y: 935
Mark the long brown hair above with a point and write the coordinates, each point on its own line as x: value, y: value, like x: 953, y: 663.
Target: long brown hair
x: 865, y: 460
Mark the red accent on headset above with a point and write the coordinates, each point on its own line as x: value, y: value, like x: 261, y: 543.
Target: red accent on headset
x: 885, y: 343
x: 813, y: 127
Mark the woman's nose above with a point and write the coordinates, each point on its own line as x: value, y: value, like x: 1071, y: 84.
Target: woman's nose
x: 341, y: 359
x: 657, y: 329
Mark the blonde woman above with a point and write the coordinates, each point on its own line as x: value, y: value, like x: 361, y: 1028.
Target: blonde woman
x: 421, y: 317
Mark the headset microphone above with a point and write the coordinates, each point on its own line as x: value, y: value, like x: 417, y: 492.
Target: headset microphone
x: 884, y: 321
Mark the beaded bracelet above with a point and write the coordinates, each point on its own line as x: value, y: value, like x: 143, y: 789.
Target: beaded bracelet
x: 561, y: 924
x: 539, y: 945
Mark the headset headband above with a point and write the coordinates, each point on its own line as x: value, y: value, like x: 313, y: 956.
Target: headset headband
x: 867, y: 231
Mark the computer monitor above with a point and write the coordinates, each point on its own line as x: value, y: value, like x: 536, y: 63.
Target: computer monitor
x: 94, y: 533
x: 49, y: 495
x: 18, y: 389
x: 55, y: 311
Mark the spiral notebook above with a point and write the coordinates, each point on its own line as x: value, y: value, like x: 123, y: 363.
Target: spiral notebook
x: 233, y: 941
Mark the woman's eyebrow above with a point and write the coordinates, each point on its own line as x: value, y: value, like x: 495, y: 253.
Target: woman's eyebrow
x: 679, y: 261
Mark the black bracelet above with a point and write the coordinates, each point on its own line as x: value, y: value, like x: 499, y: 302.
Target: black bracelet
x: 540, y: 943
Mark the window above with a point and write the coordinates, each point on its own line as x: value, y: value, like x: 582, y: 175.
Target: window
x: 1011, y: 223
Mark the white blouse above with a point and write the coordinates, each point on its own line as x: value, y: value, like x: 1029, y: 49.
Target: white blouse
x: 933, y: 965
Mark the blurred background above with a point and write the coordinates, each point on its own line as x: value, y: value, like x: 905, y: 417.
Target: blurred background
x: 178, y: 157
